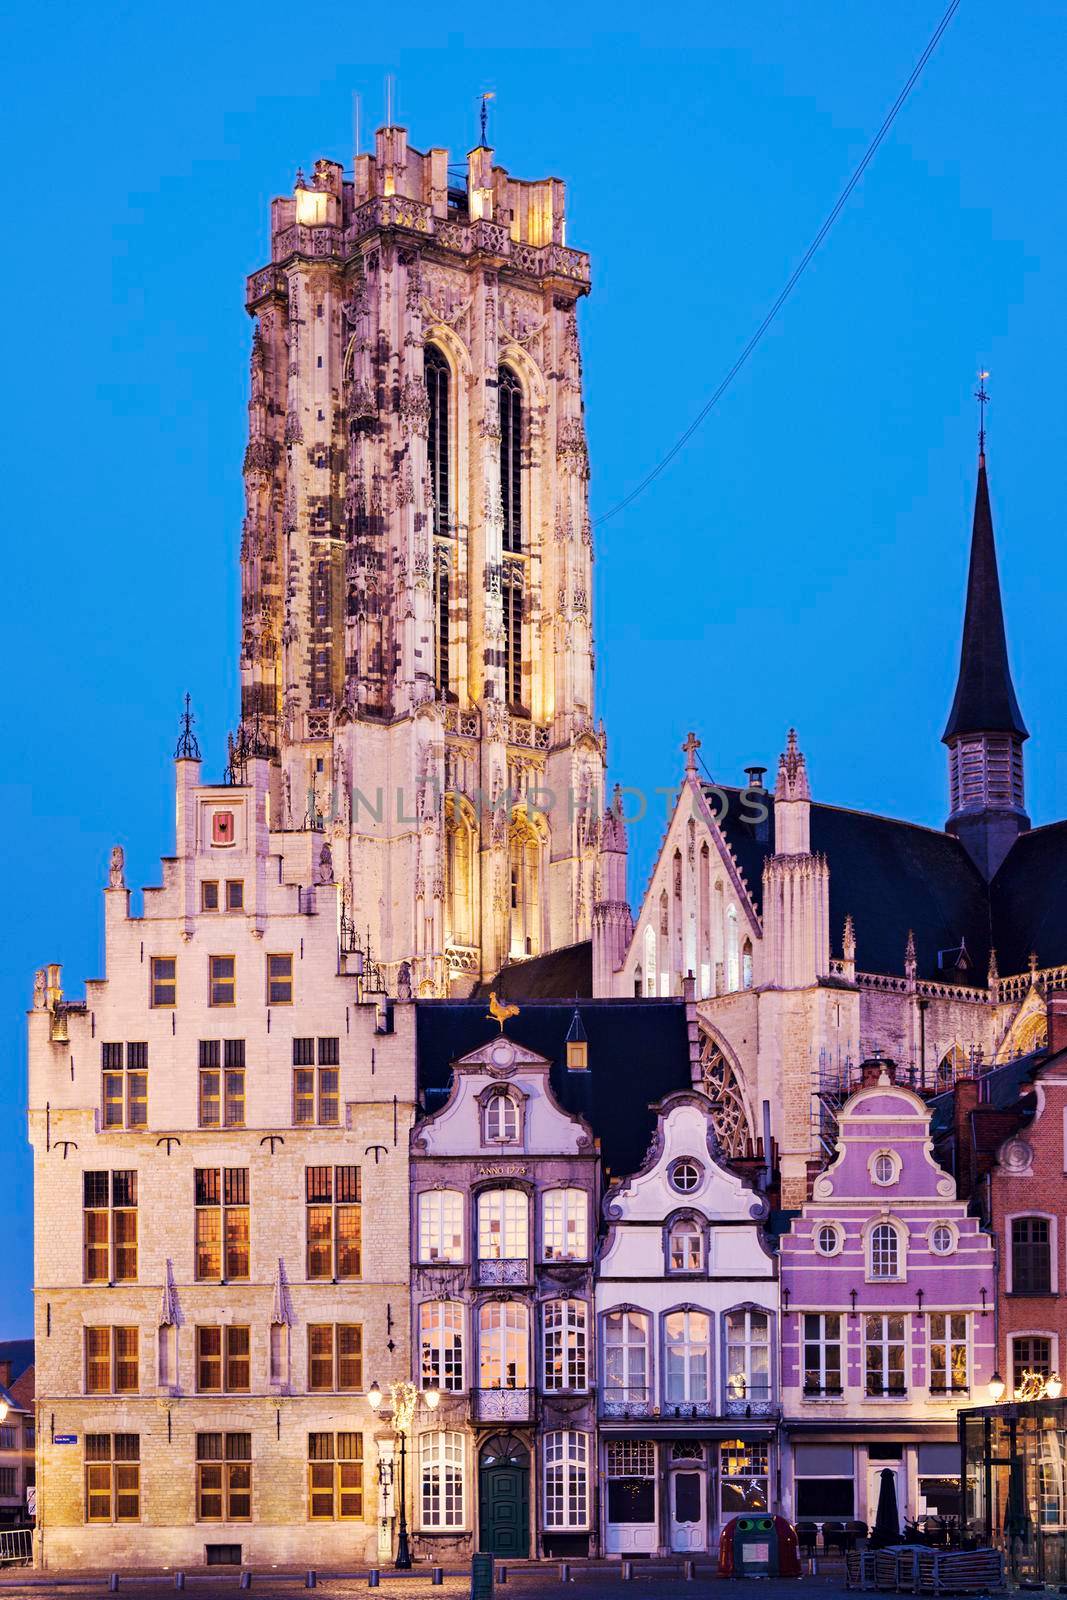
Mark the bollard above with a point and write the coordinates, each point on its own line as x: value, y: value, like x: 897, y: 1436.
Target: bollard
x: 373, y: 1578
x: 627, y: 1570
x: 501, y: 1574
x: 113, y: 1583
x: 179, y: 1580
x: 564, y: 1572
x: 689, y: 1570
x: 312, y: 1579
x: 438, y: 1576
x: 246, y: 1581
x: 813, y: 1567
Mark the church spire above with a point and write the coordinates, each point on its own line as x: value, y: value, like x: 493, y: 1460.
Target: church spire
x: 985, y: 729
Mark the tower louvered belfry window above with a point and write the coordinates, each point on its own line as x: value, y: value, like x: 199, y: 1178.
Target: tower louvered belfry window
x: 438, y: 440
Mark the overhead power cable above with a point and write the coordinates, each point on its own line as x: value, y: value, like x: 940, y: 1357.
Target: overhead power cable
x: 796, y: 275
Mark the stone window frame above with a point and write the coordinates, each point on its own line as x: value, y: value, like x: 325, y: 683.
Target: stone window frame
x: 627, y: 1308
x: 522, y: 1186
x: 903, y: 1242
x: 769, y: 1312
x: 661, y: 1341
x: 518, y: 1098
x: 555, y: 1187
x: 541, y: 1343
x: 433, y: 1301
x: 840, y: 1234
x: 436, y: 1457
x: 687, y: 1214
x: 468, y: 1226
x: 1030, y: 1333
x: 953, y: 1228
x: 898, y: 1167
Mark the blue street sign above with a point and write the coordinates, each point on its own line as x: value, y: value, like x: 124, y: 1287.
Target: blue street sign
x: 65, y: 1438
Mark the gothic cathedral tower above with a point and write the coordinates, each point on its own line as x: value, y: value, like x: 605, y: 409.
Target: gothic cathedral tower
x: 417, y: 648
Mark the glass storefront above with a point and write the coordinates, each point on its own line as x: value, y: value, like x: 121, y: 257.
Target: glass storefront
x: 1014, y: 1488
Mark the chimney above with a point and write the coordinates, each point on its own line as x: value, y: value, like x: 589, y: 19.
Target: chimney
x: 872, y: 1072
x: 1057, y: 1021
x: 5, y: 1373
x: 965, y: 1095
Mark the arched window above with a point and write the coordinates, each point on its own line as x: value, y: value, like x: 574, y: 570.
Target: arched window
x: 627, y: 1368
x: 565, y: 1225
x: 509, y: 391
x: 504, y: 1345
x: 441, y: 1344
x: 748, y: 1355
x: 441, y: 1225
x: 524, y: 863
x: 733, y: 965
x: 459, y: 874
x: 441, y: 1479
x: 884, y: 1251
x: 650, y: 958
x: 438, y: 381
x: 442, y: 590
x: 502, y: 1118
x: 564, y: 1325
x: 746, y: 964
x: 722, y: 1086
x: 503, y: 1226
x: 687, y: 1354
x: 685, y: 1246
x: 511, y: 599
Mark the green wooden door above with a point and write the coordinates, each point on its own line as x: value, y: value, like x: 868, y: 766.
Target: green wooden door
x: 504, y: 1499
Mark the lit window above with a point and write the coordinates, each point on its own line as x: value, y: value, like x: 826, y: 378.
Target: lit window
x: 743, y: 1476
x: 280, y: 980
x: 164, y: 981
x: 334, y: 1222
x: 564, y: 1325
x: 577, y: 1055
x: 626, y: 1358
x: 441, y: 1497
x: 109, y: 1224
x: 316, y: 1093
x: 335, y: 1477
x: 222, y: 980
x: 685, y: 1176
x: 440, y: 1225
x: 687, y: 1353
x: 565, y: 1228
x: 125, y: 1085
x: 441, y: 1344
x: 948, y: 1352
x: 223, y: 1360
x: 503, y: 1345
x: 748, y: 1356
x: 222, y: 1223
x: 503, y: 1225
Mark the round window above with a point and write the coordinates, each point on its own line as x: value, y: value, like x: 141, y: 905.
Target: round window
x: 827, y: 1240
x: 942, y: 1239
x: 885, y: 1167
x: 685, y: 1176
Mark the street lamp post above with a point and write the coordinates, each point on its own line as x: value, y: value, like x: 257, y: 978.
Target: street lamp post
x: 405, y: 1399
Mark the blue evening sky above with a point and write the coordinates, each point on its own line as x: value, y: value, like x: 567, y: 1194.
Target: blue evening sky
x: 802, y: 562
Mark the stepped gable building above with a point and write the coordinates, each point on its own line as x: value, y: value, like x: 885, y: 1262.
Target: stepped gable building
x: 687, y: 1327
x: 818, y: 936
x: 888, y: 1289
x: 505, y: 1188
x: 416, y: 647
x: 210, y: 1126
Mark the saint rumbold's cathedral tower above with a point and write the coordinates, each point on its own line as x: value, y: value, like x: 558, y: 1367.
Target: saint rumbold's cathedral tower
x: 417, y: 640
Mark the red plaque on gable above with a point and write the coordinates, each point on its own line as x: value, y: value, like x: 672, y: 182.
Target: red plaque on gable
x: 222, y: 827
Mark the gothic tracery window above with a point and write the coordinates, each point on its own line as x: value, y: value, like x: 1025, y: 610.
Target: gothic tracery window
x: 524, y: 867
x: 438, y: 441
x: 460, y: 856
x: 509, y: 391
x: 720, y: 1082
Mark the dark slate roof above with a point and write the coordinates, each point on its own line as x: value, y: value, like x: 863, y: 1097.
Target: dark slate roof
x: 1006, y: 1088
x: 985, y: 696
x: 1028, y: 896
x: 638, y: 1054
x: 559, y: 975
x: 890, y: 876
x: 20, y: 1354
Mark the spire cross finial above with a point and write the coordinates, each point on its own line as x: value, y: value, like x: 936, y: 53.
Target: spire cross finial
x: 691, y: 746
x: 485, y: 97
x: 983, y: 400
x: 188, y: 748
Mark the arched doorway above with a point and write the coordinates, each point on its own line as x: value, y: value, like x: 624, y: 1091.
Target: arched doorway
x: 504, y: 1497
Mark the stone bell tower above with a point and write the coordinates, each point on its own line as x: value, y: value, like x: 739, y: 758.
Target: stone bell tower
x: 417, y: 636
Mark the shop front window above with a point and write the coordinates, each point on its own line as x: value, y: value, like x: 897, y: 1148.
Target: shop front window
x: 744, y: 1470
x: 631, y: 1465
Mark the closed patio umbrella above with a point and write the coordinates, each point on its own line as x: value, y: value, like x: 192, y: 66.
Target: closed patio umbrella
x: 887, y: 1517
